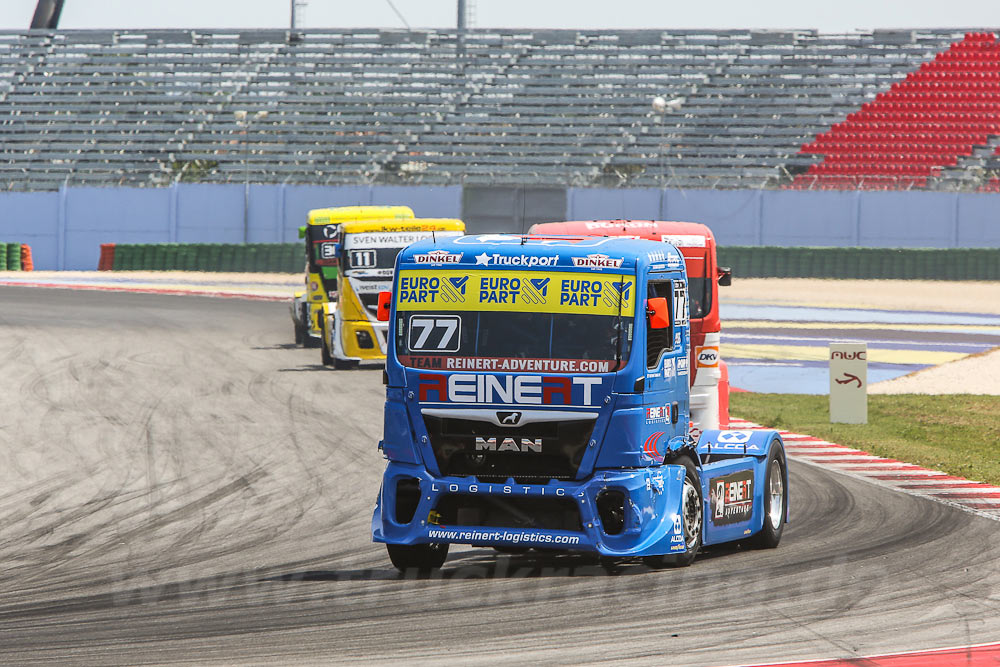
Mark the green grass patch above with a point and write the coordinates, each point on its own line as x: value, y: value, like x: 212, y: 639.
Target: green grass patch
x: 958, y: 434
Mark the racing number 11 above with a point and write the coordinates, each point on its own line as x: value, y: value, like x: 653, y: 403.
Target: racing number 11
x: 438, y: 333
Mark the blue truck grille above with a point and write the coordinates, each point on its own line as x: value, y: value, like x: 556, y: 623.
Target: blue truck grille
x: 514, y: 512
x: 534, y: 453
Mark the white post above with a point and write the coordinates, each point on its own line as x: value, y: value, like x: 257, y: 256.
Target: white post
x: 849, y: 383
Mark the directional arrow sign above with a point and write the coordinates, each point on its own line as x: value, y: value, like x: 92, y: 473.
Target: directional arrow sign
x: 849, y: 383
x: 848, y: 378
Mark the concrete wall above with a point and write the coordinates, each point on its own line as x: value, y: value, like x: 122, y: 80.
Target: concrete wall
x: 65, y: 228
x: 797, y: 218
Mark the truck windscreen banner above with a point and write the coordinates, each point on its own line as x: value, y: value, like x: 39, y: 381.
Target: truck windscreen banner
x: 516, y: 291
x: 390, y: 239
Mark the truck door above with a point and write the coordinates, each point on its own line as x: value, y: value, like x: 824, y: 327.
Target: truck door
x: 665, y: 394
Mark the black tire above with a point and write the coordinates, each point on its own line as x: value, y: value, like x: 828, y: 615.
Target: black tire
x: 775, y: 500
x: 693, y: 512
x: 300, y: 334
x: 345, y: 364
x: 328, y: 359
x: 420, y: 557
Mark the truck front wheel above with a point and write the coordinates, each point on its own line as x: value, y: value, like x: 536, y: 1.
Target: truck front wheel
x: 420, y: 557
x: 692, y: 515
x: 325, y: 355
x: 775, y: 500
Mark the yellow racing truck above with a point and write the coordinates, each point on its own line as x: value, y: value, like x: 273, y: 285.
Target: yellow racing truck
x: 366, y: 254
x: 322, y: 237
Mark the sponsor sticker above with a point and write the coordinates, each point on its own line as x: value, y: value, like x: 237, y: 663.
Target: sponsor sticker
x: 507, y: 364
x: 669, y: 369
x: 731, y: 498
x: 737, y: 437
x: 438, y: 257
x: 682, y: 365
x: 707, y: 356
x: 370, y: 286
x: 529, y: 261
x: 684, y: 240
x: 658, y: 414
x: 578, y: 391
x: 620, y: 224
x: 598, y: 261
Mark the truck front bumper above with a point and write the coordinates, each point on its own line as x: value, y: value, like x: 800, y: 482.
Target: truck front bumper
x: 651, y: 507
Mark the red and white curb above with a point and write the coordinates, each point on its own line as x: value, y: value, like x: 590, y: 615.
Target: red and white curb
x: 977, y: 655
x: 971, y: 496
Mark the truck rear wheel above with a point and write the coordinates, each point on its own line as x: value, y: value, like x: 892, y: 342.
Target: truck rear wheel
x: 692, y: 515
x: 775, y: 500
x: 300, y: 334
x: 420, y: 557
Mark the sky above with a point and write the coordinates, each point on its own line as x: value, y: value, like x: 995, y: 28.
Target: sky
x: 824, y: 15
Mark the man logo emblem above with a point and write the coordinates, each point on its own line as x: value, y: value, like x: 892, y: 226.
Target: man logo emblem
x: 508, y: 418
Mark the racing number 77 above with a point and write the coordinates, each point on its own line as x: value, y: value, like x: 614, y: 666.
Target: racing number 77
x: 423, y: 327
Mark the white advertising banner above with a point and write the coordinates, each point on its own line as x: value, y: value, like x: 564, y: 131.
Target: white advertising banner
x: 849, y: 383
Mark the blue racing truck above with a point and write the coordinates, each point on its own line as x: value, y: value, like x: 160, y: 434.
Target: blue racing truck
x: 538, y: 397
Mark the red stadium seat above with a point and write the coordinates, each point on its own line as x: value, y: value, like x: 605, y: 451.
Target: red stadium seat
x: 937, y: 113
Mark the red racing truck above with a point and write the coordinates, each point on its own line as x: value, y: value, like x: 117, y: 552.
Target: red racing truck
x: 709, y: 376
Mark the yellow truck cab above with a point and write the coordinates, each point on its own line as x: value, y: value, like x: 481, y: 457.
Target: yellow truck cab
x: 366, y: 254
x: 322, y: 237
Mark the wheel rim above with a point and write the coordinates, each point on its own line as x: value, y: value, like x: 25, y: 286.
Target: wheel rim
x: 691, y: 509
x: 776, y: 508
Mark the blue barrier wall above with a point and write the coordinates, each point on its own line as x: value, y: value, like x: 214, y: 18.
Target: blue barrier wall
x: 66, y: 228
x: 797, y: 218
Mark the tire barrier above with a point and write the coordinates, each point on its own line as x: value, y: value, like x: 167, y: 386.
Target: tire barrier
x: 12, y: 257
x: 862, y: 263
x: 221, y: 257
x: 107, y: 260
x: 27, y: 263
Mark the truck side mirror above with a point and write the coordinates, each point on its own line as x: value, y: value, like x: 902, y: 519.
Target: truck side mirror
x: 384, y: 303
x: 725, y: 276
x: 659, y: 316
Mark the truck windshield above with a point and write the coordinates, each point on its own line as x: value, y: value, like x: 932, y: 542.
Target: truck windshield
x: 512, y: 341
x: 699, y: 288
x: 514, y: 321
x: 322, y: 241
x: 374, y: 253
x: 700, y: 291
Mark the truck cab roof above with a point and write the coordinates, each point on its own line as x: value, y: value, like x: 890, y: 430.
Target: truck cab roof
x: 553, y: 252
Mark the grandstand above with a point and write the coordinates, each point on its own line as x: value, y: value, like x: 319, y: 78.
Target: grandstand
x: 565, y: 107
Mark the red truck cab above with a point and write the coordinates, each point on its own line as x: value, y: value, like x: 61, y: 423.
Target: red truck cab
x: 709, y: 377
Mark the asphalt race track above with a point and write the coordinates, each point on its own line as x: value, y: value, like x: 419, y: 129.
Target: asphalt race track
x: 178, y: 483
